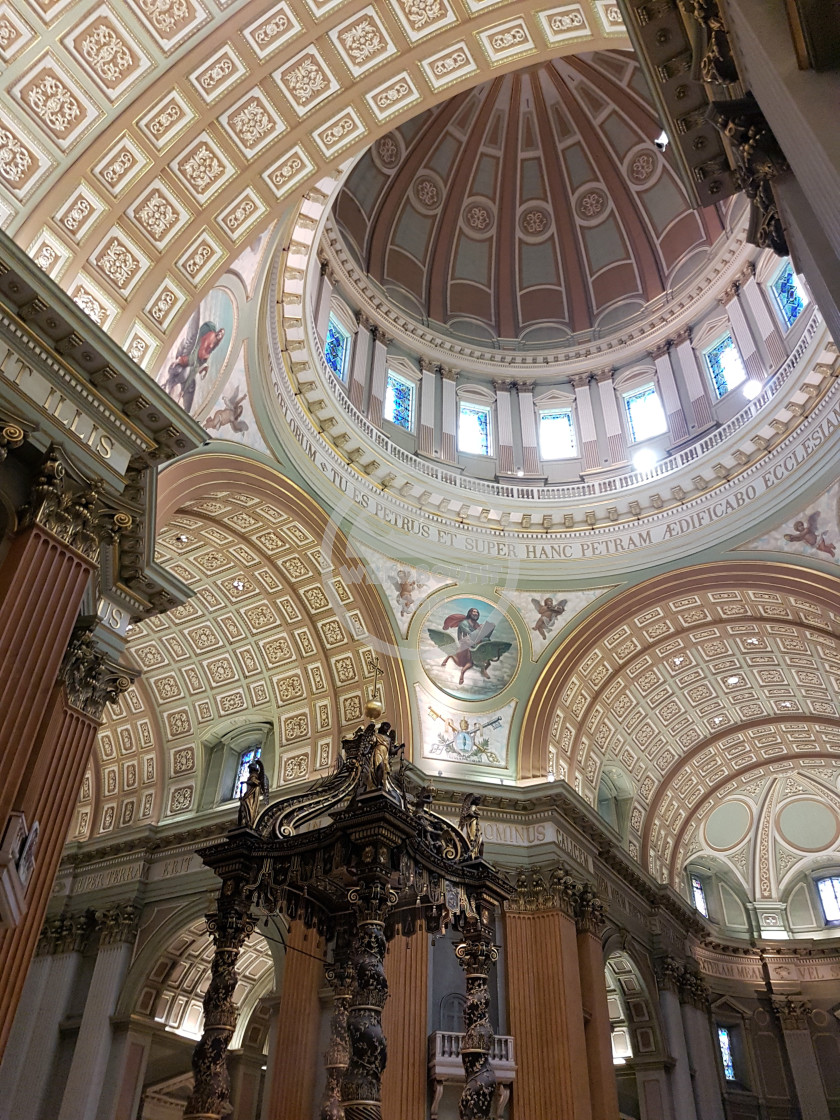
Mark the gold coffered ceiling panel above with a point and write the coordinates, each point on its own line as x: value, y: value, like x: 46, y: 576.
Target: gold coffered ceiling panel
x: 704, y: 678
x: 277, y: 633
x: 140, y: 147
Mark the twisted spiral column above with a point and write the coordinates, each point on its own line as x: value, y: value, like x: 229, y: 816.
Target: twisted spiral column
x: 362, y: 1082
x: 230, y: 927
x: 476, y: 954
x: 340, y: 978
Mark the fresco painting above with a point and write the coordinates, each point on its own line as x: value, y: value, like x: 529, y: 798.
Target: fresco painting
x: 469, y: 648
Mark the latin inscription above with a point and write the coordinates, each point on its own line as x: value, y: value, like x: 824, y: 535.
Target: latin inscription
x: 62, y: 409
x: 699, y: 514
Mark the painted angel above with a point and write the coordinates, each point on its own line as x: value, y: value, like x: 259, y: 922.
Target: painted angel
x: 547, y: 614
x: 405, y: 584
x: 231, y: 414
x: 807, y: 534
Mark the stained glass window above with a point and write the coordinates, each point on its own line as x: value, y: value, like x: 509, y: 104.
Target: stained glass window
x: 557, y: 434
x: 336, y: 348
x: 725, y: 365
x: 725, y: 1044
x: 245, y: 759
x: 645, y: 415
x: 699, y: 893
x: 830, y: 897
x: 399, y: 402
x: 790, y: 298
x: 474, y: 429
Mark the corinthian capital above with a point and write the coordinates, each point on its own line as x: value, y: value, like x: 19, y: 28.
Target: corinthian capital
x: 90, y: 677
x: 68, y: 511
x: 580, y: 380
x: 792, y: 1012
x: 119, y: 923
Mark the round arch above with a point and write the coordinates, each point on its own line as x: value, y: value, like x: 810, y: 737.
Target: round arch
x: 689, y: 680
x: 583, y: 644
x: 210, y: 471
x: 285, y: 97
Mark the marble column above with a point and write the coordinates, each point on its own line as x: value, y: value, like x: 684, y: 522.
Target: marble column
x: 126, y: 1072
x: 528, y: 428
x: 792, y: 1013
x: 546, y: 1016
x: 616, y: 446
x: 701, y: 409
x: 405, y: 1079
x: 702, y: 1051
x: 379, y: 376
x: 768, y: 328
x: 426, y: 422
x: 29, y: 1062
x: 360, y: 364
x: 449, y: 416
x: 677, y: 426
x: 296, y: 1055
x: 245, y: 1076
x: 603, y: 1093
x: 504, y: 421
x: 668, y: 976
x: 323, y: 301
x: 86, y: 1079
x: 742, y: 334
x: 586, y: 421
x: 59, y: 750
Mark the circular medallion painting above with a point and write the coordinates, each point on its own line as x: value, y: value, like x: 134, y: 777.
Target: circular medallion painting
x: 192, y: 372
x: 469, y: 648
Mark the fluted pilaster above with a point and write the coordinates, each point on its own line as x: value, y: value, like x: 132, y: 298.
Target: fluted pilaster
x: 404, y: 1022
x: 297, y: 1054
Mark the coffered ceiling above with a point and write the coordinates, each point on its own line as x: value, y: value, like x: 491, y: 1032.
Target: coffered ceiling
x: 711, y: 678
x: 141, y: 145
x: 276, y: 632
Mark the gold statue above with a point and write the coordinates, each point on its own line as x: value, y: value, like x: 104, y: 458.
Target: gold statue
x: 256, y: 788
x: 470, y: 825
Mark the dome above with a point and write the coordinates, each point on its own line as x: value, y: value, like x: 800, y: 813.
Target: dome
x: 532, y: 209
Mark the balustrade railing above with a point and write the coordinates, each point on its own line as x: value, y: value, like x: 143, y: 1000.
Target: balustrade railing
x: 688, y: 456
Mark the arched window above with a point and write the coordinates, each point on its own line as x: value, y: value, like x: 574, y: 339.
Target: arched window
x: 475, y: 421
x: 399, y: 405
x: 828, y: 889
x: 558, y: 439
x: 245, y: 759
x: 452, y: 1013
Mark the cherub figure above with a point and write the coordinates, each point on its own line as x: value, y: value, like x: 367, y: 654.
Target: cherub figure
x: 256, y: 790
x: 807, y: 534
x: 405, y: 584
x: 547, y: 614
x: 231, y: 414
